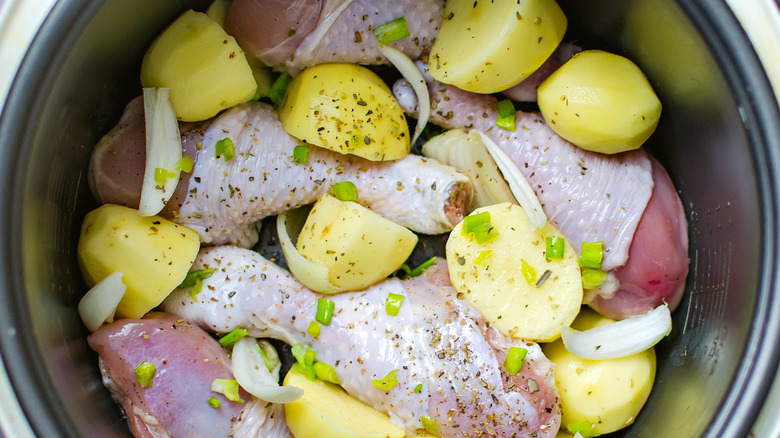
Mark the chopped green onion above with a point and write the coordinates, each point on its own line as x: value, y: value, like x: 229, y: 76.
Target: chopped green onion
x: 326, y: 372
x: 592, y: 278
x: 144, y: 373
x: 585, y: 428
x: 555, y: 245
x: 483, y: 256
x: 279, y: 88
x: 429, y: 425
x: 214, y: 402
x: 301, y: 154
x: 506, y: 115
x: 233, y: 337
x: 393, y: 303
x: 305, y: 357
x: 161, y: 175
x: 514, y: 360
x: 407, y: 272
x: 386, y: 383
x: 392, y: 31
x: 314, y: 329
x: 193, y: 276
x: 325, y: 309
x: 345, y: 191
x: 195, y: 290
x: 528, y: 271
x: 269, y: 363
x: 185, y: 164
x: 228, y: 388
x: 592, y: 253
x: 418, y: 388
x: 479, y: 226
x: 224, y: 148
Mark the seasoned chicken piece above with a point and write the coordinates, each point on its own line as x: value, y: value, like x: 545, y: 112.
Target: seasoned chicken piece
x: 437, y: 342
x: 223, y: 199
x: 293, y: 35
x: 186, y: 361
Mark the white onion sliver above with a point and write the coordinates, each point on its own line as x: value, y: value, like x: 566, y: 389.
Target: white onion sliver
x: 163, y: 150
x: 412, y: 74
x: 251, y: 374
x: 313, y: 275
x: 99, y: 304
x: 517, y: 183
x: 621, y: 338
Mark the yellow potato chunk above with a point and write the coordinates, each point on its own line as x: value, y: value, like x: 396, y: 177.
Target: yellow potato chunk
x: 489, y: 46
x: 358, y: 246
x: 601, y: 102
x: 202, y: 65
x: 326, y: 411
x: 604, y: 394
x: 348, y: 109
x: 154, y: 255
x: 499, y: 277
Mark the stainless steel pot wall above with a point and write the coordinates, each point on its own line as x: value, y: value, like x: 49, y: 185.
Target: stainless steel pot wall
x: 719, y: 137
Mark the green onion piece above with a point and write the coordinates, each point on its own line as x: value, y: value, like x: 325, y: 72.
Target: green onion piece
x: 266, y: 360
x: 529, y: 273
x: 325, y: 309
x: 585, y: 428
x: 279, y: 88
x: 326, y: 372
x: 193, y: 277
x: 592, y: 278
x: 305, y: 357
x: 483, y: 256
x: 554, y: 248
x: 392, y: 31
x: 592, y: 253
x: 195, y: 290
x: 214, y: 402
x: 144, y: 373
x: 314, y: 329
x: 161, y: 175
x: 393, y: 303
x: 387, y: 382
x: 423, y: 266
x: 474, y: 221
x: 185, y: 164
x: 228, y: 388
x: 506, y: 115
x: 345, y: 191
x: 233, y: 337
x: 429, y: 425
x: 301, y: 154
x: 224, y: 148
x: 418, y: 388
x: 514, y: 360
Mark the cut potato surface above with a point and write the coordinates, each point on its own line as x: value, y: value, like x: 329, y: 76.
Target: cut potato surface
x: 326, y: 411
x: 606, y: 394
x: 489, y: 46
x: 492, y: 276
x: 202, y: 65
x: 601, y: 102
x: 358, y: 246
x: 348, y: 109
x: 154, y: 255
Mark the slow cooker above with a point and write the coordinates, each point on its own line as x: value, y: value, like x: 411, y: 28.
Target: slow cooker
x: 719, y: 138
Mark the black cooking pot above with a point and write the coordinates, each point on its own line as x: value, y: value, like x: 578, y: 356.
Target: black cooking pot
x: 719, y: 137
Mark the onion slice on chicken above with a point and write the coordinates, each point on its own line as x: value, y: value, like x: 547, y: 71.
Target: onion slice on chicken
x: 252, y: 373
x: 99, y: 304
x: 163, y: 151
x: 517, y: 183
x: 621, y: 338
x: 412, y: 74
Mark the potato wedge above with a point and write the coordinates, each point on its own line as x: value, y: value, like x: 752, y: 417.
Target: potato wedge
x: 326, y: 411
x: 601, y: 102
x: 153, y: 253
x: 606, y: 394
x: 358, y: 246
x: 490, y: 276
x: 348, y: 109
x: 486, y: 47
x: 202, y: 65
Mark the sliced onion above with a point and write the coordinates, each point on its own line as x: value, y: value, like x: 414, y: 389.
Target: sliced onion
x: 253, y: 375
x: 313, y: 275
x: 99, y: 304
x: 517, y: 183
x: 163, y: 150
x: 621, y: 338
x: 412, y: 74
